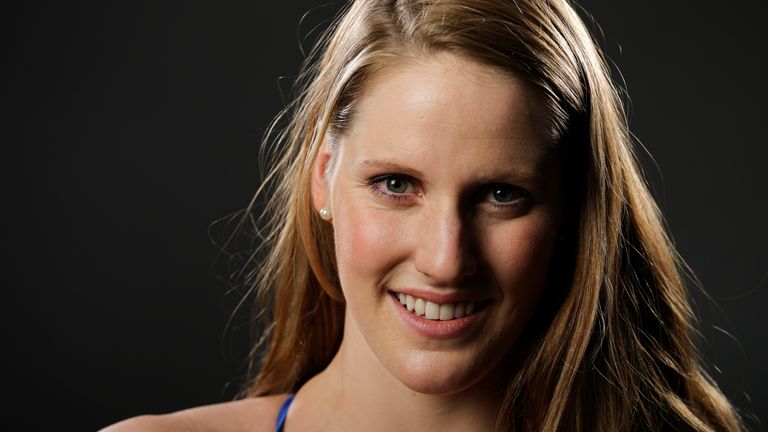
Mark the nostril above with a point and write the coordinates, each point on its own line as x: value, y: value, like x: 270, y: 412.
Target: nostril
x: 443, y: 268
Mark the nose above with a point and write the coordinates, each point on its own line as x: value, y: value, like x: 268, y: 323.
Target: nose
x: 444, y: 251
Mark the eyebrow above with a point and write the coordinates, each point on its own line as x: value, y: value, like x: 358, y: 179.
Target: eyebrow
x: 512, y: 175
x: 391, y: 166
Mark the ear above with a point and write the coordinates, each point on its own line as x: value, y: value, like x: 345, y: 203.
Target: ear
x: 319, y: 185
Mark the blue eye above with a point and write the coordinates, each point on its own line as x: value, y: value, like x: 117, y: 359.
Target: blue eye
x: 505, y: 194
x: 502, y: 194
x: 396, y: 185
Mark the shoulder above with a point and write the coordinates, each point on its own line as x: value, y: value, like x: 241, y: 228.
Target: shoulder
x: 251, y: 414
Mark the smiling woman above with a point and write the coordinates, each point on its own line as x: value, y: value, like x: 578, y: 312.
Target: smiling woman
x: 430, y: 209
x: 459, y: 238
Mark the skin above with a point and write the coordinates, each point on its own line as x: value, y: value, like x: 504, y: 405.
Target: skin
x: 445, y: 184
x: 412, y: 197
x: 252, y: 415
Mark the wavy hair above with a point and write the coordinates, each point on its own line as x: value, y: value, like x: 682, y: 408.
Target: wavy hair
x: 613, y: 347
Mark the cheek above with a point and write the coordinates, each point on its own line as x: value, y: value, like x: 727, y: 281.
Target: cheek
x: 520, y: 258
x: 367, y: 243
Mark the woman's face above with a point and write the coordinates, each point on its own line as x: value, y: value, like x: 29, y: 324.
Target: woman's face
x: 446, y: 204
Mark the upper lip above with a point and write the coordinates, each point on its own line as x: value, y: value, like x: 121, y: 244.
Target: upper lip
x: 442, y: 297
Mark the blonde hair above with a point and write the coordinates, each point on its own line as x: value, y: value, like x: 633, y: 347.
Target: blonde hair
x: 613, y: 349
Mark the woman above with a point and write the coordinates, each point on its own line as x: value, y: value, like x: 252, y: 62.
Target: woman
x: 460, y: 239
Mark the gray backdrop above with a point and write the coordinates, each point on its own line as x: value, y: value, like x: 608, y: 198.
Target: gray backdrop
x: 132, y: 126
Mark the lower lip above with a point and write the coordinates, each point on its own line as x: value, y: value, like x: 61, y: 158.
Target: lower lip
x: 436, y: 329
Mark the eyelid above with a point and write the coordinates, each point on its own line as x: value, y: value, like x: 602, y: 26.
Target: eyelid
x: 380, y: 178
x: 375, y: 185
x: 523, y: 199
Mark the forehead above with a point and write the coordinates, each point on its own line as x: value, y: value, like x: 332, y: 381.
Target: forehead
x: 433, y: 109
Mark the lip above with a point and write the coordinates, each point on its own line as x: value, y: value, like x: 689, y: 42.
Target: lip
x: 442, y: 297
x: 436, y: 329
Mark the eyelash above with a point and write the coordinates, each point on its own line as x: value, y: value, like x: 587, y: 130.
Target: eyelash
x: 376, y: 184
x: 523, y: 200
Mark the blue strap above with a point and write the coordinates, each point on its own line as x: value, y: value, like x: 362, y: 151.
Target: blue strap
x: 283, y: 414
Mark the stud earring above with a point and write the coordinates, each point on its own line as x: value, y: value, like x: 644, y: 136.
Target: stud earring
x: 325, y: 214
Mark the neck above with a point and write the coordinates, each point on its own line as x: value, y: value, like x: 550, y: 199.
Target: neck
x: 366, y: 396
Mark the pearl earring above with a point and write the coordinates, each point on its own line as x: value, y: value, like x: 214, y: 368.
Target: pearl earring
x: 325, y: 214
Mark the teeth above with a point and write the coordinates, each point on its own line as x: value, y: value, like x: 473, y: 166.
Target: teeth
x: 419, y: 306
x: 460, y: 310
x: 434, y: 311
x: 446, y: 312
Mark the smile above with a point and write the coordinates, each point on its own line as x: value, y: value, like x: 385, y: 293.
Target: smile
x: 433, y: 311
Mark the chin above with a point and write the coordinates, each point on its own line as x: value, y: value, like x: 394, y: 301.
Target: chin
x: 435, y: 373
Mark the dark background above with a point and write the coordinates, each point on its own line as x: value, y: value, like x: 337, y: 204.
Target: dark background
x: 132, y: 126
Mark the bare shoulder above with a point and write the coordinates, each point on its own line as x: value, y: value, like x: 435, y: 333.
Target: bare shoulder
x: 251, y: 414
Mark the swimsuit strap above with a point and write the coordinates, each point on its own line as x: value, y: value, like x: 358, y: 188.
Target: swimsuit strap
x: 283, y: 414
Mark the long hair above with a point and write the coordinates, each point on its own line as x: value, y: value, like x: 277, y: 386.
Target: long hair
x: 612, y: 349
